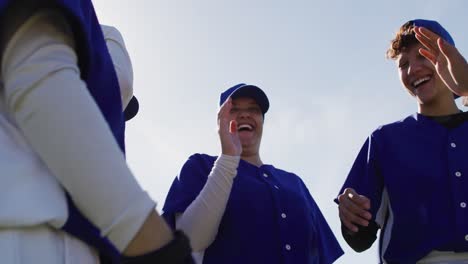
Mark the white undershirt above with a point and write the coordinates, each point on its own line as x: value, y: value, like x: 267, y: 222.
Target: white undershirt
x: 201, y: 219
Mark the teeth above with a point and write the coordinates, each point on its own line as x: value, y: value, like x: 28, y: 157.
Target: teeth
x: 247, y: 126
x: 419, y: 81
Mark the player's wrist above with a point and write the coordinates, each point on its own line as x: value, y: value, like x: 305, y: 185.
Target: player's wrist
x: 177, y: 251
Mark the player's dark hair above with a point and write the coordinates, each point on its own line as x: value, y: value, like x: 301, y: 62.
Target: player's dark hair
x: 404, y: 39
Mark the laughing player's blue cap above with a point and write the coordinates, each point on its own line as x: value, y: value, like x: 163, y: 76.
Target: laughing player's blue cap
x: 435, y: 27
x: 246, y: 90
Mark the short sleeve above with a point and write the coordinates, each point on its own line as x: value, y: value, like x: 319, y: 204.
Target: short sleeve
x: 327, y: 247
x: 365, y: 176
x: 186, y: 186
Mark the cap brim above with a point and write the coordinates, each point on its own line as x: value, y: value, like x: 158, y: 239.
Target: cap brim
x: 255, y: 93
x: 132, y: 109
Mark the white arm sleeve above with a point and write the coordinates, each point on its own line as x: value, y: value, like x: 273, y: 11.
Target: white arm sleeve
x: 121, y: 60
x: 53, y: 108
x: 201, y: 219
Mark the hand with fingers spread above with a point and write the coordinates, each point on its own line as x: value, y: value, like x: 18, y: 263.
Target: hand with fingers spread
x: 447, y: 60
x: 227, y: 129
x: 354, y: 209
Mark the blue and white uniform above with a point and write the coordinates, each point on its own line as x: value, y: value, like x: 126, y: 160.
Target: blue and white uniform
x: 414, y: 172
x: 270, y: 216
x: 62, y: 137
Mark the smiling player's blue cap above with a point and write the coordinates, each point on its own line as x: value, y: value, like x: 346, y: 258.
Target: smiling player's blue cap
x: 435, y: 27
x: 246, y: 90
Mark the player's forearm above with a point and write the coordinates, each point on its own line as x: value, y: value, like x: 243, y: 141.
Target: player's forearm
x: 361, y: 240
x: 153, y: 234
x: 53, y: 108
x: 201, y: 219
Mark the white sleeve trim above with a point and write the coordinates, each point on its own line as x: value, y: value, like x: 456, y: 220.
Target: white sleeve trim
x: 53, y: 108
x: 201, y: 219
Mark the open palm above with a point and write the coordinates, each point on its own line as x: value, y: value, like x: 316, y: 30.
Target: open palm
x: 227, y: 130
x: 450, y: 65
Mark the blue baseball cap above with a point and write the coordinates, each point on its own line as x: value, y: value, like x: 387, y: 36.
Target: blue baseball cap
x: 435, y: 27
x: 246, y: 90
x: 132, y: 109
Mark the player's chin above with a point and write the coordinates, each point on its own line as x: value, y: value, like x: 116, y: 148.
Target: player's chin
x: 246, y: 134
x: 247, y: 142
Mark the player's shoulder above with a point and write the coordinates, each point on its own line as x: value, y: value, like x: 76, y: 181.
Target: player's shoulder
x: 399, y: 125
x: 201, y: 159
x: 202, y: 156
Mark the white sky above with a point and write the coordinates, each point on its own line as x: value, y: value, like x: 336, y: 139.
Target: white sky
x: 321, y: 63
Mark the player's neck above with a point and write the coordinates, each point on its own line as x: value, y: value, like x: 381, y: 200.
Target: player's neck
x: 253, y: 158
x: 438, y: 108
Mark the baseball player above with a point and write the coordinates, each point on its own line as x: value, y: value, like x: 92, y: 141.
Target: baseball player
x: 64, y: 174
x: 237, y: 209
x: 410, y: 178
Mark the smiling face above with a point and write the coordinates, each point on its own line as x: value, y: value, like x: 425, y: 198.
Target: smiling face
x: 249, y: 119
x: 419, y: 77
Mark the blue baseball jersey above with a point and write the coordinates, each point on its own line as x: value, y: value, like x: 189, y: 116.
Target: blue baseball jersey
x: 98, y: 72
x: 270, y: 216
x: 415, y: 172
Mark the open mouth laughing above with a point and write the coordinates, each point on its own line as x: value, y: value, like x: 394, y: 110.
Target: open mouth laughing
x: 416, y: 84
x: 245, y: 127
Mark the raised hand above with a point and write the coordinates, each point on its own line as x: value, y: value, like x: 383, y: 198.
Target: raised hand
x: 447, y: 60
x: 227, y: 130
x: 353, y: 209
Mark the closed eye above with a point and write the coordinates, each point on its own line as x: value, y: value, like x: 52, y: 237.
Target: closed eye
x: 254, y: 110
x: 403, y: 64
x: 234, y: 110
